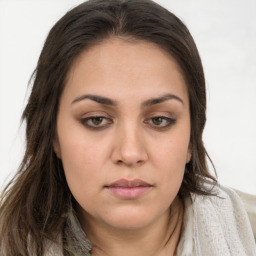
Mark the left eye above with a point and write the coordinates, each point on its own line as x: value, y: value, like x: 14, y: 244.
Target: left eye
x: 161, y: 121
x: 96, y: 121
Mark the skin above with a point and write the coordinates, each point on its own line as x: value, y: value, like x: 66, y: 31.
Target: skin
x: 130, y: 141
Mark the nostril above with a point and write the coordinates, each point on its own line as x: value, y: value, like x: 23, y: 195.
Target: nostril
x: 119, y: 162
x: 129, y: 152
x: 140, y: 162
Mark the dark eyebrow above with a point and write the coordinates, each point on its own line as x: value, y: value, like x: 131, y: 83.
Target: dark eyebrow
x: 161, y: 99
x: 110, y: 102
x: 96, y: 98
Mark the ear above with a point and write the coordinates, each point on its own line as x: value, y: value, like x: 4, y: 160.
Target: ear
x: 189, y: 154
x: 56, y: 147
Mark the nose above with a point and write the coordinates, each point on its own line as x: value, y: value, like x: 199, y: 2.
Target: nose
x: 130, y: 148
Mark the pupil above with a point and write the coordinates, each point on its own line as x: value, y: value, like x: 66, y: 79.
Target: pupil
x: 157, y: 120
x: 97, y: 120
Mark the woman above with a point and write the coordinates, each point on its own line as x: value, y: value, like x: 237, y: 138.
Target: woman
x: 115, y: 163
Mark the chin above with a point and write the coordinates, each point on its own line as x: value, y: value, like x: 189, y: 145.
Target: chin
x: 129, y: 223
x: 130, y: 219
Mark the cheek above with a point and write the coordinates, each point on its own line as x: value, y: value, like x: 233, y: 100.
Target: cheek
x: 78, y: 150
x: 171, y: 169
x: 82, y: 169
x: 170, y: 161
x: 82, y: 162
x: 171, y: 152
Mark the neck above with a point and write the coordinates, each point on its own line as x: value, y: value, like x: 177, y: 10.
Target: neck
x: 159, y: 238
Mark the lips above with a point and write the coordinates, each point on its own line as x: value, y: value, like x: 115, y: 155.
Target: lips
x: 129, y: 189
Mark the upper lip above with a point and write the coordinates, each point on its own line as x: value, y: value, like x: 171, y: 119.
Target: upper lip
x: 129, y: 183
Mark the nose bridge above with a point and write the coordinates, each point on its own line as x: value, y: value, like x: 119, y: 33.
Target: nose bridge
x: 130, y: 147
x: 130, y: 138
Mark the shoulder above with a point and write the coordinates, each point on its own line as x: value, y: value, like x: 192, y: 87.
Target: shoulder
x: 222, y: 220
x: 236, y: 203
x: 249, y: 202
x: 227, y: 204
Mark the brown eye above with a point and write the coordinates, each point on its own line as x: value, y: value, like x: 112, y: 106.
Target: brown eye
x: 160, y: 122
x: 157, y: 120
x: 96, y: 122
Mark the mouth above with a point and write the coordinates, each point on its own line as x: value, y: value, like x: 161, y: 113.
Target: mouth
x: 129, y: 189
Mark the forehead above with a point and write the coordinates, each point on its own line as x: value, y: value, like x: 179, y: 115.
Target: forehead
x: 117, y: 66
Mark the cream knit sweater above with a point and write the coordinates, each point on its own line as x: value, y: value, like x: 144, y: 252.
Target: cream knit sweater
x: 216, y: 226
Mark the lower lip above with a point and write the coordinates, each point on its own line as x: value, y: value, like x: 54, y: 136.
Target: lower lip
x: 129, y: 192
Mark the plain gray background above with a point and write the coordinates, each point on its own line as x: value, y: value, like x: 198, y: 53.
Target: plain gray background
x: 225, y: 33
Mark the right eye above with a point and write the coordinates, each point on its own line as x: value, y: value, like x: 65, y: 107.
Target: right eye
x: 96, y: 122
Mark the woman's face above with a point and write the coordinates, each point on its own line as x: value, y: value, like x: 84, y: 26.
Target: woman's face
x: 123, y: 133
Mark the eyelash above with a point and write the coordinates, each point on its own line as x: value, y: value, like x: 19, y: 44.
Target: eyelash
x: 85, y: 121
x: 169, y: 122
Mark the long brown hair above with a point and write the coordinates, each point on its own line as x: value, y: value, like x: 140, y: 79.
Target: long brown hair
x: 36, y: 201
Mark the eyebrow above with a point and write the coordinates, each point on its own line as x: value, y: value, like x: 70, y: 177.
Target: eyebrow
x: 96, y: 98
x: 110, y: 102
x: 158, y: 100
